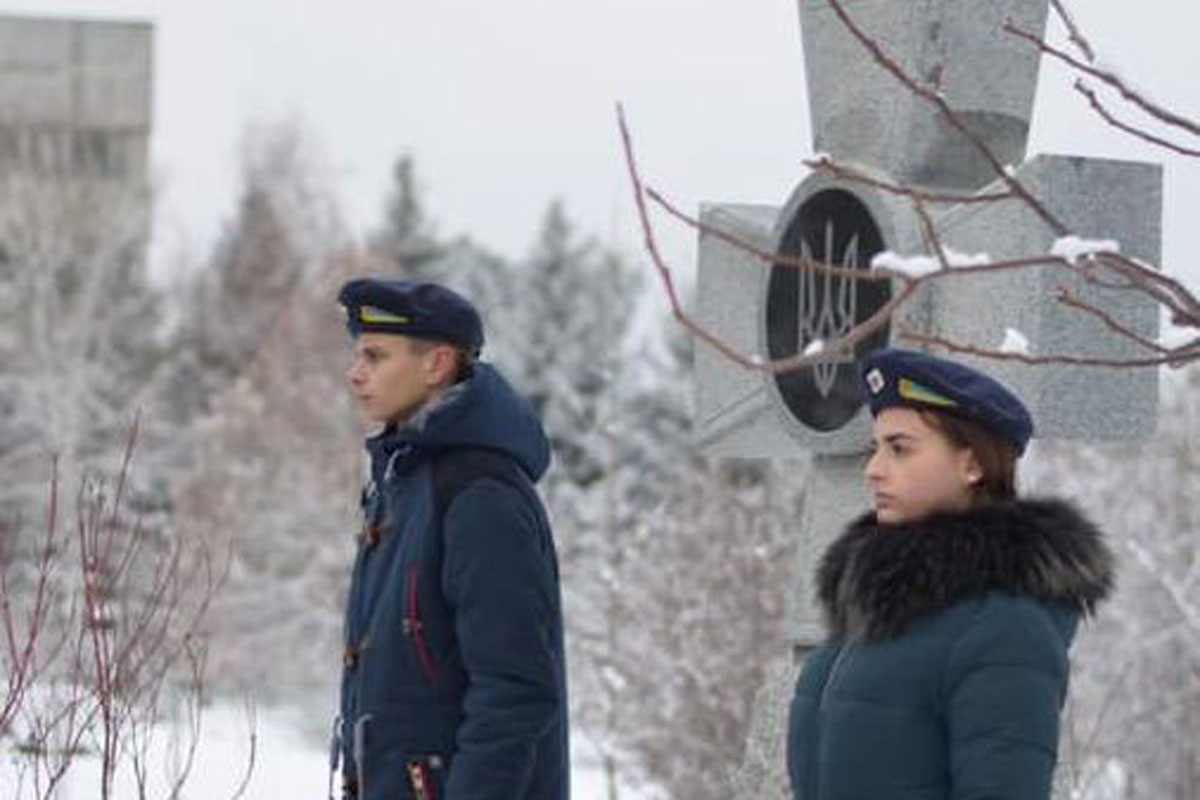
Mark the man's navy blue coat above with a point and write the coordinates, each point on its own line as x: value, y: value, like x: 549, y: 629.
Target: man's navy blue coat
x: 455, y: 677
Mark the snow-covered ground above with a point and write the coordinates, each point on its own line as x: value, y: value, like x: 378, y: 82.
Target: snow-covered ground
x: 287, y: 764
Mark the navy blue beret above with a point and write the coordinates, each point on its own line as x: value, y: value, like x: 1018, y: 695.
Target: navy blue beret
x: 897, y: 377
x: 424, y: 310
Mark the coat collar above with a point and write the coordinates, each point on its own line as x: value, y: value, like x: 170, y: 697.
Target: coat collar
x: 876, y: 580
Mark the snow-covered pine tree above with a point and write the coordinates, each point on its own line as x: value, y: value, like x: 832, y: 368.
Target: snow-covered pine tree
x: 696, y: 581
x: 275, y: 486
x: 407, y: 239
x: 406, y: 245
x: 283, y: 227
x: 577, y: 304
x: 267, y: 440
x: 78, y: 335
x: 1135, y: 704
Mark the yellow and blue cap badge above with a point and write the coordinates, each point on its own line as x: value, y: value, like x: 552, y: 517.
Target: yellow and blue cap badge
x: 899, y: 377
x: 371, y: 315
x: 412, y: 308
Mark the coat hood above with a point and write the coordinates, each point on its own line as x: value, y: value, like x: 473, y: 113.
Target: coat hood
x: 876, y: 580
x: 482, y: 411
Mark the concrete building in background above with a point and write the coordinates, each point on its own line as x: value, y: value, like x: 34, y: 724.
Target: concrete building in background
x: 76, y: 97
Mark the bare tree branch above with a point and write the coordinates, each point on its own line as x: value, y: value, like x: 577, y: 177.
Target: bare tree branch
x: 938, y: 101
x: 1165, y: 290
x: 829, y: 166
x: 131, y: 624
x: 1073, y: 32
x: 952, y: 346
x: 1125, y: 127
x: 1066, y: 298
x: 1154, y: 110
x: 844, y: 344
x: 252, y: 754
x: 930, y: 236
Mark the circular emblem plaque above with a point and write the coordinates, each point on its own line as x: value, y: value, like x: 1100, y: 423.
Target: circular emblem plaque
x: 834, y: 228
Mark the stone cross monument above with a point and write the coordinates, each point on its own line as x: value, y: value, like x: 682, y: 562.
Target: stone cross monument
x: 864, y: 117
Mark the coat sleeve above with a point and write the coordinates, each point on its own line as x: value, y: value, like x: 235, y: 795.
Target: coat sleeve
x: 1006, y: 680
x: 500, y: 579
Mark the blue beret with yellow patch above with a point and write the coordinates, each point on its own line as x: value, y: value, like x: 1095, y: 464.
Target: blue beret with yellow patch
x: 411, y: 308
x: 899, y: 377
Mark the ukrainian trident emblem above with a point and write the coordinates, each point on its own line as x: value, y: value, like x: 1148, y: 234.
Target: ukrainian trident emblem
x: 827, y: 307
x: 813, y: 299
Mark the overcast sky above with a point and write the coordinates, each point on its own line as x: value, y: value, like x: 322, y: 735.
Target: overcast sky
x: 506, y: 105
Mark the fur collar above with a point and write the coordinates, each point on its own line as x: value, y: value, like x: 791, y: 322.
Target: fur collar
x: 876, y: 580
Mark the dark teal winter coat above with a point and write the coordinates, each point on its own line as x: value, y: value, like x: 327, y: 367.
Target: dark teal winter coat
x: 454, y: 686
x: 946, y: 667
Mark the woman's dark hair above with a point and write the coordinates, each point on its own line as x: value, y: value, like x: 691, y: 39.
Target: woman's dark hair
x: 996, y: 456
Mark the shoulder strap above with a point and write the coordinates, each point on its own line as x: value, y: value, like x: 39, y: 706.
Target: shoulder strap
x: 456, y: 469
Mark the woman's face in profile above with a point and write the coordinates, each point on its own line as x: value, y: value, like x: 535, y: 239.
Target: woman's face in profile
x: 915, y: 471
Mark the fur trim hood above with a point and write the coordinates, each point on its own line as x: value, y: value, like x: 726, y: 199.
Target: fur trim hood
x: 876, y: 580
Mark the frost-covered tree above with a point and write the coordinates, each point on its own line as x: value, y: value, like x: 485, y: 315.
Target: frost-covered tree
x: 407, y: 239
x: 1136, y: 696
x: 576, y: 303
x: 283, y: 227
x: 406, y: 245
x: 78, y: 331
x: 267, y: 451
x: 643, y: 430
x: 686, y: 598
x: 710, y: 576
x: 274, y: 484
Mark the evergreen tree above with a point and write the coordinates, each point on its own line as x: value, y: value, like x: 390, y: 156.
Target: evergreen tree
x: 406, y: 239
x: 686, y: 608
x: 1135, y: 694
x: 406, y: 245
x: 577, y: 304
x: 78, y: 332
x: 282, y: 230
x: 274, y: 488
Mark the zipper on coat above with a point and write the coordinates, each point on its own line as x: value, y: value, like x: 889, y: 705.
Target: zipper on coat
x: 360, y: 754
x: 414, y: 627
x: 843, y: 652
x: 815, y: 766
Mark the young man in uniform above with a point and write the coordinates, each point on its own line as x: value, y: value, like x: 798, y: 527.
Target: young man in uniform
x: 454, y: 680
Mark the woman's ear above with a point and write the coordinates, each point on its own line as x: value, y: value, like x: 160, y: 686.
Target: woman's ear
x: 971, y: 470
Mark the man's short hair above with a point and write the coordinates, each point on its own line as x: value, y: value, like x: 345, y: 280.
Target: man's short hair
x: 464, y: 358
